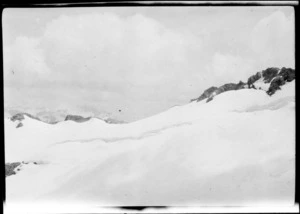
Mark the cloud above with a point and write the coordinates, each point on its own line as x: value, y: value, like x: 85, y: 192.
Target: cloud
x: 273, y: 40
x: 271, y: 43
x: 103, y: 57
x: 226, y: 68
x: 95, y: 45
x: 24, y: 62
x: 113, y: 50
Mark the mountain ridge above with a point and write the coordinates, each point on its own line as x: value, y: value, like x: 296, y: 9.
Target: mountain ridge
x: 240, y: 142
x: 274, y: 76
x: 70, y: 117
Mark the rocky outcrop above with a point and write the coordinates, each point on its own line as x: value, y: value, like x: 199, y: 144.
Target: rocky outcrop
x: 10, y: 168
x: 14, y: 167
x: 227, y: 87
x: 269, y: 74
x: 273, y: 78
x: 20, y: 117
x: 206, y: 94
x: 275, y: 85
x: 231, y: 86
x: 253, y: 79
x: 213, y: 91
x: 77, y: 118
x: 19, y: 125
x: 287, y: 74
x: 277, y: 77
x: 113, y: 121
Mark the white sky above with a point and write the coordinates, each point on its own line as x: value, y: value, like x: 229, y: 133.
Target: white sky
x: 141, y: 60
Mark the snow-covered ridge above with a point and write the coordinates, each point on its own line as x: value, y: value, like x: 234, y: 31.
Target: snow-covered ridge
x: 19, y: 117
x: 268, y: 80
x: 240, y: 142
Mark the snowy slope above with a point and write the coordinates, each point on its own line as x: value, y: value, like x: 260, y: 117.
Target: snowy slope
x: 238, y: 149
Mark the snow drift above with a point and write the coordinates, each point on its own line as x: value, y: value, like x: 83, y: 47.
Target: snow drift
x: 238, y: 149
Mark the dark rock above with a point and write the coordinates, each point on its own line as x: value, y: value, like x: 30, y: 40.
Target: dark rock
x: 240, y: 85
x: 275, y: 85
x: 140, y: 208
x: 10, y: 168
x: 288, y: 74
x: 19, y: 125
x: 230, y: 86
x: 284, y: 75
x: 207, y: 93
x: 20, y: 117
x: 210, y: 99
x: 212, y: 91
x: 269, y: 74
x: 114, y: 121
x: 253, y: 79
x: 192, y: 100
x: 275, y: 76
x: 227, y: 87
x: 77, y: 118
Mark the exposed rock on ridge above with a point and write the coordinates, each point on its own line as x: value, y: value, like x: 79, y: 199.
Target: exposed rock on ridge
x: 285, y: 75
x: 20, y: 117
x: 14, y: 167
x: 113, y: 121
x: 10, y: 168
x: 77, y: 118
x: 269, y: 74
x: 81, y: 119
x: 213, y: 91
x: 206, y: 94
x: 273, y: 76
x: 253, y: 79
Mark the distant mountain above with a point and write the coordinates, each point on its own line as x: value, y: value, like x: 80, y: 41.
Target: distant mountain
x: 76, y: 118
x: 52, y: 116
x: 47, y: 116
x: 80, y: 119
x: 113, y: 121
x: 20, y: 117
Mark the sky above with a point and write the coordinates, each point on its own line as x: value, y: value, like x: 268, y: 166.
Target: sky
x: 134, y: 62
